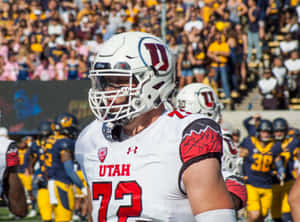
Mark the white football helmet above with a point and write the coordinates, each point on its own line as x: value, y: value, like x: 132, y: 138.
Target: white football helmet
x: 199, y: 98
x: 144, y: 62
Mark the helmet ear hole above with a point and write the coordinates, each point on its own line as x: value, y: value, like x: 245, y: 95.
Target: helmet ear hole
x: 157, y: 101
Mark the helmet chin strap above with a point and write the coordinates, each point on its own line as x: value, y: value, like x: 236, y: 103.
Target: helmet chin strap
x: 112, y: 131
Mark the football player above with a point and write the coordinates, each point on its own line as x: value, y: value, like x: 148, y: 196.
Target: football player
x: 81, y: 203
x: 59, y: 167
x: 23, y: 174
x: 201, y: 98
x: 141, y: 162
x: 11, y: 188
x: 291, y: 150
x: 36, y: 154
x: 260, y: 153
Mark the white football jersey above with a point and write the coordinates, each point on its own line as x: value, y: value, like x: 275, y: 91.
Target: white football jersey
x: 231, y: 160
x: 139, y: 179
x: 4, y: 143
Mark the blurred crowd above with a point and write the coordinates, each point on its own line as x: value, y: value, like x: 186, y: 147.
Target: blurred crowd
x: 217, y: 42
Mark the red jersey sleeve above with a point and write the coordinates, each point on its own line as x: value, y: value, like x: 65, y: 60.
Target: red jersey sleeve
x: 201, y: 139
x: 12, y: 158
x: 237, y: 187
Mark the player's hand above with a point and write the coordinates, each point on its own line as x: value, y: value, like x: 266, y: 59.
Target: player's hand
x: 84, y: 191
x: 281, y: 178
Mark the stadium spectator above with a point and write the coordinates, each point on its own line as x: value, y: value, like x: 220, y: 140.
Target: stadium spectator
x: 174, y: 47
x: 45, y: 71
x: 55, y: 27
x: 2, y: 64
x: 60, y: 68
x: 193, y: 22
x: 268, y: 87
x: 279, y: 70
x: 219, y: 51
x: 293, y: 67
x: 233, y: 64
x: 198, y: 61
x: 25, y: 65
x: 236, y: 9
x: 124, y: 21
x: 57, y: 49
x: 11, y: 68
x: 288, y: 45
x: 280, y: 73
x: 242, y: 42
x: 253, y: 32
x: 80, y: 48
x: 184, y: 65
x: 72, y: 66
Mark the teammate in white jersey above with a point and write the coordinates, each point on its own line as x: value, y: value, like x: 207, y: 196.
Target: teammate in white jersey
x: 142, y: 163
x: 11, y: 188
x: 201, y: 98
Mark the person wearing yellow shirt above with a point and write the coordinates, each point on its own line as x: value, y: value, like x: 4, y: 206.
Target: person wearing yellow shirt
x: 219, y: 51
x: 86, y: 10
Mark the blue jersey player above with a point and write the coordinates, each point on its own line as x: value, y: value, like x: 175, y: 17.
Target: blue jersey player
x: 36, y: 155
x: 59, y: 167
x: 290, y: 145
x: 260, y: 153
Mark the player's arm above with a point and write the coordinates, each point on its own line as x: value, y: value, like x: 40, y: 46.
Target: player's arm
x: 32, y: 157
x: 201, y: 150
x: 66, y: 157
x: 207, y: 194
x: 90, y: 205
x: 246, y: 122
x: 294, y: 200
x: 13, y: 189
x: 244, y: 152
x: 280, y: 168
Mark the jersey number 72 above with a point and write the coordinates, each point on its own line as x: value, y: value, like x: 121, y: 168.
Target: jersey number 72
x: 104, y: 189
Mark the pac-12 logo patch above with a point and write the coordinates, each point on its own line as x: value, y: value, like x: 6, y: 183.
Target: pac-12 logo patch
x: 102, y: 152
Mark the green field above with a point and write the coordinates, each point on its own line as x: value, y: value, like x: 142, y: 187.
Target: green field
x: 4, y: 216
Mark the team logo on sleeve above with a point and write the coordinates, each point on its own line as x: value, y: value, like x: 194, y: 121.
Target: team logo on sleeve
x: 102, y: 152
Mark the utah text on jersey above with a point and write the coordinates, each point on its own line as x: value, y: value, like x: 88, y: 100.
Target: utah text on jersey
x: 135, y: 180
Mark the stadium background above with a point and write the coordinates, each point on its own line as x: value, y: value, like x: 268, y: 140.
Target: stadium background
x: 23, y: 104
